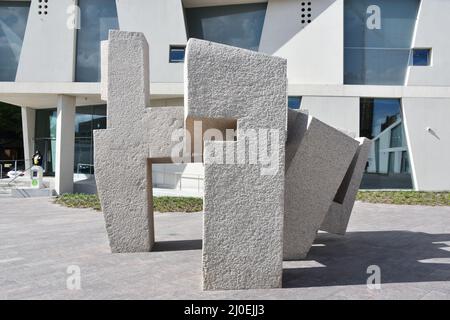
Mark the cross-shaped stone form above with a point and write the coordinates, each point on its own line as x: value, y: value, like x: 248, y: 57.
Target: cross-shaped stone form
x: 135, y: 138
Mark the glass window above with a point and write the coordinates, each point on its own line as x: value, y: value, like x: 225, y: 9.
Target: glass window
x: 87, y: 119
x: 421, y: 57
x: 294, y: 102
x: 176, y: 54
x: 387, y: 166
x: 97, y: 18
x: 397, y: 136
x: 45, y: 139
x: 377, y: 40
x: 235, y: 25
x: 13, y: 21
x: 11, y: 139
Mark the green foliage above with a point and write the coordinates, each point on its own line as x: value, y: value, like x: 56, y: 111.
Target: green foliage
x: 160, y: 204
x: 406, y: 197
x: 79, y: 200
x: 177, y: 204
x: 185, y: 204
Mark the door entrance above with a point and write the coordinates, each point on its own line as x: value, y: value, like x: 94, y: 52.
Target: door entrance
x: 47, y: 147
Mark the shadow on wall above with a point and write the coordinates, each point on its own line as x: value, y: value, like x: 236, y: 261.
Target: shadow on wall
x: 276, y: 15
x: 402, y: 256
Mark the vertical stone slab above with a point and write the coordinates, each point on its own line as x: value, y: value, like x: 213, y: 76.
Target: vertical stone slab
x: 243, y: 204
x: 336, y: 221
x: 136, y: 136
x: 317, y: 158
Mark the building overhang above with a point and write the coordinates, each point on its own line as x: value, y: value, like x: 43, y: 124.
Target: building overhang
x: 41, y: 95
x: 211, y: 3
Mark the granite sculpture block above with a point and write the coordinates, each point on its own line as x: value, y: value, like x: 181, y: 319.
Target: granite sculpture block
x: 136, y: 136
x: 267, y: 190
x: 338, y: 215
x: 243, y: 201
x: 317, y: 158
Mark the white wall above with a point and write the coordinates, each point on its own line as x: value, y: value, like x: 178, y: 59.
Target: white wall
x: 48, y: 50
x: 162, y: 22
x: 315, y: 51
x: 339, y: 112
x: 432, y: 32
x: 429, y: 150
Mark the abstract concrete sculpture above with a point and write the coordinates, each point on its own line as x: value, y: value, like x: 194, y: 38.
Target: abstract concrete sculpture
x: 317, y: 158
x: 243, y: 204
x: 136, y: 137
x: 338, y: 215
x: 268, y: 189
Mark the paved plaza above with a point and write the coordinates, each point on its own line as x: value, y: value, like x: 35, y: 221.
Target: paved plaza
x: 40, y: 240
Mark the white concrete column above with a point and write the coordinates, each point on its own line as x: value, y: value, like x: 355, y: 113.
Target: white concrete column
x: 65, y: 144
x: 28, y: 125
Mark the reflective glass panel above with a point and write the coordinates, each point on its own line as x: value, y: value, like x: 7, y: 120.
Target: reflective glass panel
x: 87, y: 119
x: 294, y: 102
x: 45, y: 138
x: 377, y: 40
x: 387, y: 166
x: 176, y: 54
x: 421, y: 57
x: 97, y: 18
x: 235, y: 25
x: 13, y: 22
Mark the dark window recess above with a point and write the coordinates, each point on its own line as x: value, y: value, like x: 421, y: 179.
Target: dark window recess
x: 421, y: 57
x: 176, y: 54
x: 294, y: 102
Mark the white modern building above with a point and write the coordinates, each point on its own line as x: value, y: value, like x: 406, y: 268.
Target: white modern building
x: 377, y: 68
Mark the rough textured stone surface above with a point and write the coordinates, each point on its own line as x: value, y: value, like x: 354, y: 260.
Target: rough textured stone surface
x: 136, y: 137
x: 336, y: 220
x: 317, y: 158
x: 243, y: 220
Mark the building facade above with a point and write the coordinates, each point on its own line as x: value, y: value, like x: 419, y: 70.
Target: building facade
x: 376, y: 68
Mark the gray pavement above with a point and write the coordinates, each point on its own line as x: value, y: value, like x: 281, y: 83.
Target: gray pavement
x: 40, y: 240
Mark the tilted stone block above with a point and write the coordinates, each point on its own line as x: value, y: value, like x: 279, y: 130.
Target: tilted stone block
x: 136, y: 137
x: 338, y: 216
x: 317, y: 158
x: 243, y: 203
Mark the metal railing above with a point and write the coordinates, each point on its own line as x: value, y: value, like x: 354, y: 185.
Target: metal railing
x: 79, y: 165
x: 16, y: 164
x: 13, y: 165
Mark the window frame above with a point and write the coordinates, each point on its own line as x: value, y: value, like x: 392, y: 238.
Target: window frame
x: 299, y: 102
x: 429, y: 57
x: 177, y: 47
